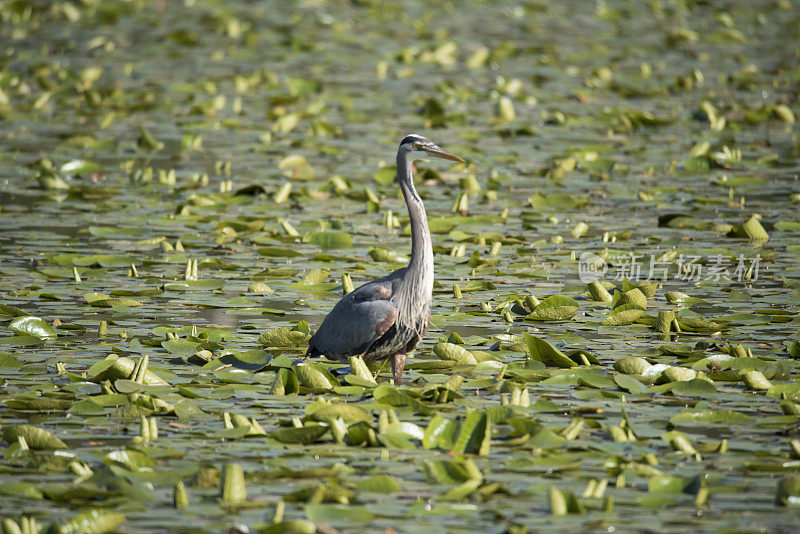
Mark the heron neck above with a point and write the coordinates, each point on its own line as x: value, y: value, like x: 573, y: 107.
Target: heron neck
x: 421, y: 265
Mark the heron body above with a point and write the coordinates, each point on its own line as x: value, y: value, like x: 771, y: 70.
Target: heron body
x: 387, y: 318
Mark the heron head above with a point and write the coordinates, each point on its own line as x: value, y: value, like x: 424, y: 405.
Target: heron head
x: 416, y: 147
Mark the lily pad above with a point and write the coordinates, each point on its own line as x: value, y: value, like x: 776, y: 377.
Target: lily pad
x: 475, y: 435
x: 449, y: 351
x: 32, y: 326
x: 331, y: 240
x: 304, y: 435
x: 543, y: 351
x: 37, y: 438
x: 554, y: 307
x: 624, y: 315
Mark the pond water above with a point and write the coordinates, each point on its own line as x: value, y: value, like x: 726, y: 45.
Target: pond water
x: 655, y: 143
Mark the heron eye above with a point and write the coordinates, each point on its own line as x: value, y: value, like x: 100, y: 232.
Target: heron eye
x: 416, y: 146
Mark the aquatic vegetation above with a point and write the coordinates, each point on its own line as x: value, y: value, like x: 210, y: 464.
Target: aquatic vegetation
x: 187, y: 188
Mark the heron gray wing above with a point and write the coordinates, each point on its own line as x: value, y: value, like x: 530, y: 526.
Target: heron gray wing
x: 357, y: 321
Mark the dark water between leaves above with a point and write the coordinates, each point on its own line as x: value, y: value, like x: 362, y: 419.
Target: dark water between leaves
x: 655, y: 143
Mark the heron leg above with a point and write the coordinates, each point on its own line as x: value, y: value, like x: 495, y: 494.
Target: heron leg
x: 398, y: 361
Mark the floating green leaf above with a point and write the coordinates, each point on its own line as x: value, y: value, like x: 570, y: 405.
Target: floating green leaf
x: 449, y: 351
x: 754, y: 230
x: 543, y: 351
x: 180, y: 346
x: 475, y: 435
x: 630, y: 384
x: 304, y: 435
x: 386, y: 176
x: 554, y: 307
x: 37, y: 438
x: 331, y: 240
x: 695, y: 387
x: 285, y: 336
x: 338, y: 515
x: 115, y: 367
x: 195, y: 285
x: 386, y: 255
x: 379, y: 484
x: 32, y: 326
x: 349, y: 413
x: 97, y: 521
x: 624, y: 315
x: 81, y: 166
x: 276, y: 252
x: 314, y: 376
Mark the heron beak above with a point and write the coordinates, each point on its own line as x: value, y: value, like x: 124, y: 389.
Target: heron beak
x: 439, y: 153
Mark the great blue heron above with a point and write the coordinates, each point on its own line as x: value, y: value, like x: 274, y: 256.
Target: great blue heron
x: 386, y: 318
